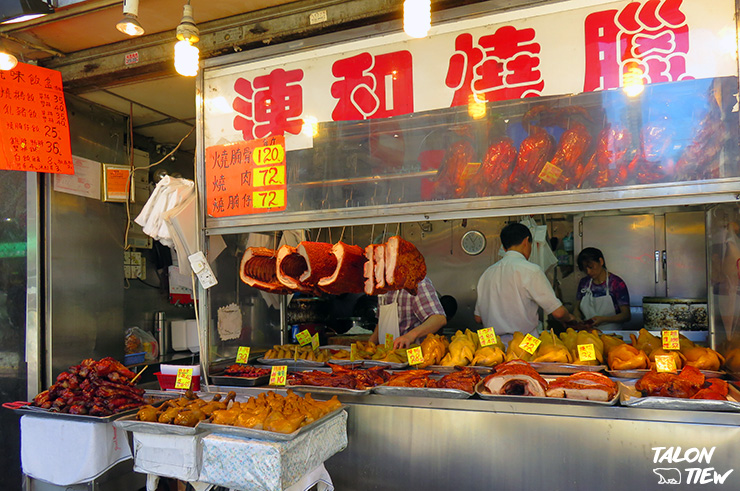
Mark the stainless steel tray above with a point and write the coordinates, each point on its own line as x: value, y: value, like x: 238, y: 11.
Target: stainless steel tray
x: 370, y: 363
x: 290, y: 362
x: 565, y: 368
x: 484, y: 394
x: 320, y: 389
x: 631, y: 397
x: 436, y: 392
x: 130, y: 423
x: 37, y: 411
x: 445, y: 369
x: 639, y: 373
x: 267, y: 435
x: 221, y: 379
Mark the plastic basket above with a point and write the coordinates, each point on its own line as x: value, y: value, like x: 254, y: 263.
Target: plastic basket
x: 167, y: 382
x: 134, y: 358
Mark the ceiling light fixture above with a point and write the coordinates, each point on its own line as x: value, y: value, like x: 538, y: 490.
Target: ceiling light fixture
x: 417, y: 17
x: 8, y: 61
x: 187, y: 56
x: 130, y: 22
x: 13, y: 11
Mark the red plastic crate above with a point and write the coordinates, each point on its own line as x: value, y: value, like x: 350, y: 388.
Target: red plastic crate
x: 167, y: 382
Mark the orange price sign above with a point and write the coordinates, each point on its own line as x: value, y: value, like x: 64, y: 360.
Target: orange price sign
x: 550, y: 173
x: 670, y: 339
x: 184, y: 377
x: 415, y: 355
x: 586, y: 352
x: 242, y: 354
x: 665, y: 363
x: 278, y: 374
x: 315, y: 341
x: 487, y: 336
x: 303, y: 337
x: 530, y: 344
x: 246, y: 177
x: 388, y: 340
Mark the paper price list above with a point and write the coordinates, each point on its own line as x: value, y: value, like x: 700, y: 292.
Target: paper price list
x: 246, y: 177
x: 33, y: 118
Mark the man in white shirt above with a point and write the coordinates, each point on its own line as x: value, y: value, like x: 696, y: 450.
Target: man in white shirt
x: 511, y: 290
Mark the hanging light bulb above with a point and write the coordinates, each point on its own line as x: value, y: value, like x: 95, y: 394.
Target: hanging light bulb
x: 187, y: 56
x: 417, y: 17
x: 632, y: 80
x: 7, y: 61
x: 130, y: 22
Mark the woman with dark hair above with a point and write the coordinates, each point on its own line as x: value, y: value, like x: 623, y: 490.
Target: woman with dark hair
x: 602, y: 296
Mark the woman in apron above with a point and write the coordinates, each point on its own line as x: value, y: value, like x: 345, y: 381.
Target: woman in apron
x: 602, y: 296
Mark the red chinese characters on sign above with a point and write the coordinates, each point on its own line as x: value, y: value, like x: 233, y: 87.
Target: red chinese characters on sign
x: 34, y: 129
x: 269, y: 105
x: 652, y: 36
x: 503, y: 65
x: 246, y: 177
x: 371, y: 87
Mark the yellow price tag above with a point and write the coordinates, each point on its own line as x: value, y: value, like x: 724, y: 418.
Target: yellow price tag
x: 550, y: 173
x: 530, y: 344
x: 274, y: 198
x: 670, y: 339
x: 388, y: 340
x: 278, y: 374
x: 487, y: 336
x: 269, y: 155
x: 269, y: 176
x: 665, y: 363
x: 242, y: 354
x: 303, y: 337
x: 315, y: 341
x: 586, y: 352
x: 184, y: 377
x: 415, y: 355
x: 353, y: 352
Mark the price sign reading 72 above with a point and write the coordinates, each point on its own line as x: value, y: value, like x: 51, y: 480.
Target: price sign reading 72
x: 269, y: 176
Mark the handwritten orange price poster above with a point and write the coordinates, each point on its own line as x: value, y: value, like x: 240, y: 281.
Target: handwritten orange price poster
x: 34, y: 128
x: 246, y: 177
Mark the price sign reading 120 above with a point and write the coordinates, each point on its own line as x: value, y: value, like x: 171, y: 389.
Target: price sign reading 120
x: 244, y: 178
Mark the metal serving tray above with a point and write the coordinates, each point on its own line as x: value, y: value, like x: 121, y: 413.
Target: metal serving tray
x: 267, y: 435
x: 638, y: 373
x: 130, y: 423
x: 565, y: 368
x: 436, y: 392
x: 290, y: 362
x: 370, y: 363
x: 484, y: 394
x: 482, y: 370
x: 37, y: 411
x: 320, y: 389
x: 631, y: 397
x: 223, y: 379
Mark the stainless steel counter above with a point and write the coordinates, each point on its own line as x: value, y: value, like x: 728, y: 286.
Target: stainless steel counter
x: 436, y: 444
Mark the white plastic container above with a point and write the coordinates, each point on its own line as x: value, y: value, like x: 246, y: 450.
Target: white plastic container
x: 179, y: 335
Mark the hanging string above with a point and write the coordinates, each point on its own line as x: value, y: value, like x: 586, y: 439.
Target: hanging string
x: 372, y: 233
x: 318, y: 235
x: 274, y: 241
x: 398, y: 229
x: 342, y: 234
x: 385, y: 231
x: 330, y: 241
x: 352, y: 234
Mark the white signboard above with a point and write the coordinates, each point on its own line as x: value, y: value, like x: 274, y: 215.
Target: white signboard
x: 84, y: 182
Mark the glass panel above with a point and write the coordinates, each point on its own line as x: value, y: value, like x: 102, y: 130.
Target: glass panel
x: 673, y: 132
x: 13, y: 375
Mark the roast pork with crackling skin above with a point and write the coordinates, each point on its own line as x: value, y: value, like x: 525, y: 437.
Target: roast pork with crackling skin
x: 404, y: 265
x: 516, y: 377
x: 289, y: 267
x: 320, y: 261
x: 587, y: 386
x: 347, y: 277
x: 258, y: 269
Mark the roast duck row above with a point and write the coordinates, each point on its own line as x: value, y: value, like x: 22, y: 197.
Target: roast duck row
x: 316, y: 267
x: 583, y: 157
x: 95, y: 388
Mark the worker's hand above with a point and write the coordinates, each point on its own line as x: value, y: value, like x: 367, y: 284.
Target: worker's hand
x: 374, y: 337
x: 598, y: 320
x: 402, y: 341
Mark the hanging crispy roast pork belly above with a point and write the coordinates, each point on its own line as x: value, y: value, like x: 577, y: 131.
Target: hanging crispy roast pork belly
x: 289, y: 267
x: 320, y: 261
x: 369, y: 272
x: 404, y: 265
x: 379, y: 268
x: 258, y: 269
x: 348, y: 274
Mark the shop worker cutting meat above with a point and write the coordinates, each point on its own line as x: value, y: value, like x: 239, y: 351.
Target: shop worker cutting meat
x: 409, y: 318
x: 511, y: 290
